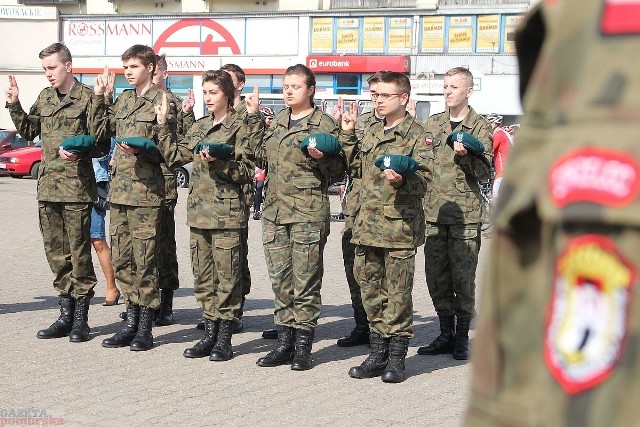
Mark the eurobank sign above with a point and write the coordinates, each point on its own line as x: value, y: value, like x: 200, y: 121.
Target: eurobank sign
x: 358, y: 63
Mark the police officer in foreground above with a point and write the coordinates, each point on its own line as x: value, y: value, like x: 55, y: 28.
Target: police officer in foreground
x: 66, y: 182
x: 557, y: 336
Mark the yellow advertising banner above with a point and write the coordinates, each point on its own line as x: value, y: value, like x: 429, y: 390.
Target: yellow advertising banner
x: 488, y: 36
x: 433, y: 34
x: 460, y: 40
x: 322, y: 35
x: 373, y: 35
x: 348, y: 40
x: 399, y: 40
x: 509, y: 32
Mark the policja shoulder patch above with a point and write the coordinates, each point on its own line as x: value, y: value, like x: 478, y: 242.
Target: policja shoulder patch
x: 137, y: 142
x: 78, y: 143
x: 404, y: 165
x: 469, y: 141
x: 219, y: 150
x: 324, y: 142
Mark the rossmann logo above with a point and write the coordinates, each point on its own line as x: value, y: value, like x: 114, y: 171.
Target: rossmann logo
x: 314, y: 63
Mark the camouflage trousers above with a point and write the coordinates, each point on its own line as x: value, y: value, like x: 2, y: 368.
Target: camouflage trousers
x: 450, y: 258
x: 167, y: 251
x: 215, y: 260
x: 133, y: 231
x: 385, y: 276
x: 67, y: 245
x: 294, y: 255
x: 348, y: 258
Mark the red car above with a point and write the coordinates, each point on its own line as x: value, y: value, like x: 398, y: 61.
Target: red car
x: 21, y: 162
x: 11, y: 140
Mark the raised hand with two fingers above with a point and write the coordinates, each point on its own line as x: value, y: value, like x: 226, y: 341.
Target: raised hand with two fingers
x: 12, y: 92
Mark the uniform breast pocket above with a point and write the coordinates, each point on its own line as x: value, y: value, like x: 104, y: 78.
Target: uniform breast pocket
x: 308, y: 191
x: 144, y: 124
x: 229, y: 201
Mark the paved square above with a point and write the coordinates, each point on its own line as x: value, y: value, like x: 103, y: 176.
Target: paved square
x: 84, y: 384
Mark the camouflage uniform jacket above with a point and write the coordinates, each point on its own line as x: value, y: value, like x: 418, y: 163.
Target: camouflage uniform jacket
x: 454, y: 194
x: 184, y: 121
x: 216, y: 199
x: 137, y: 180
x: 363, y: 123
x: 390, y: 215
x: 297, y: 183
x: 79, y: 112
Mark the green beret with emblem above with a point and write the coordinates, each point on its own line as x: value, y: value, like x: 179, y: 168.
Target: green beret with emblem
x: 469, y: 141
x: 404, y: 165
x: 78, y: 143
x: 219, y: 150
x: 324, y: 142
x: 137, y: 142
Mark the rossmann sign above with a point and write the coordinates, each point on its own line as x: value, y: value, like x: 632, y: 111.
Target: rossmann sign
x: 184, y: 37
x: 358, y: 64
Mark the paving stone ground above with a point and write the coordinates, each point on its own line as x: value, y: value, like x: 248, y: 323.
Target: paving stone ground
x: 84, y: 384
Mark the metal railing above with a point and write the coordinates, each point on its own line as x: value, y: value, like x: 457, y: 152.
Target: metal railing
x: 371, y: 4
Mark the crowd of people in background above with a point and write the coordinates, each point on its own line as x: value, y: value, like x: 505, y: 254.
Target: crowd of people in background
x: 409, y: 184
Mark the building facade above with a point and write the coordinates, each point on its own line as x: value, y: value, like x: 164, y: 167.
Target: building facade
x: 343, y: 41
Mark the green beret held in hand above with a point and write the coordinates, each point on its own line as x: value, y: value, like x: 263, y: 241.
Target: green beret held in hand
x: 219, y: 150
x: 137, y: 142
x: 404, y: 165
x: 469, y: 141
x: 324, y: 142
x: 78, y: 144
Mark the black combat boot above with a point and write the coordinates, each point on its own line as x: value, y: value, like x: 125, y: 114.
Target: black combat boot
x: 283, y: 352
x: 223, y: 351
x: 443, y: 344
x: 374, y: 364
x: 270, y: 334
x: 124, y: 337
x: 205, y: 345
x: 398, y: 347
x: 360, y: 334
x: 164, y: 316
x: 238, y: 325
x: 461, y: 342
x: 143, y: 339
x: 61, y: 327
x: 80, y: 330
x: 302, y: 359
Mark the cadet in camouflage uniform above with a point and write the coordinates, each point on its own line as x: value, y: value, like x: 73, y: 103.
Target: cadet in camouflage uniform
x: 137, y: 194
x: 295, y: 217
x: 255, y: 129
x: 360, y: 334
x: 216, y: 211
x: 557, y: 335
x: 388, y: 224
x: 66, y: 183
x: 167, y: 253
x: 453, y: 213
